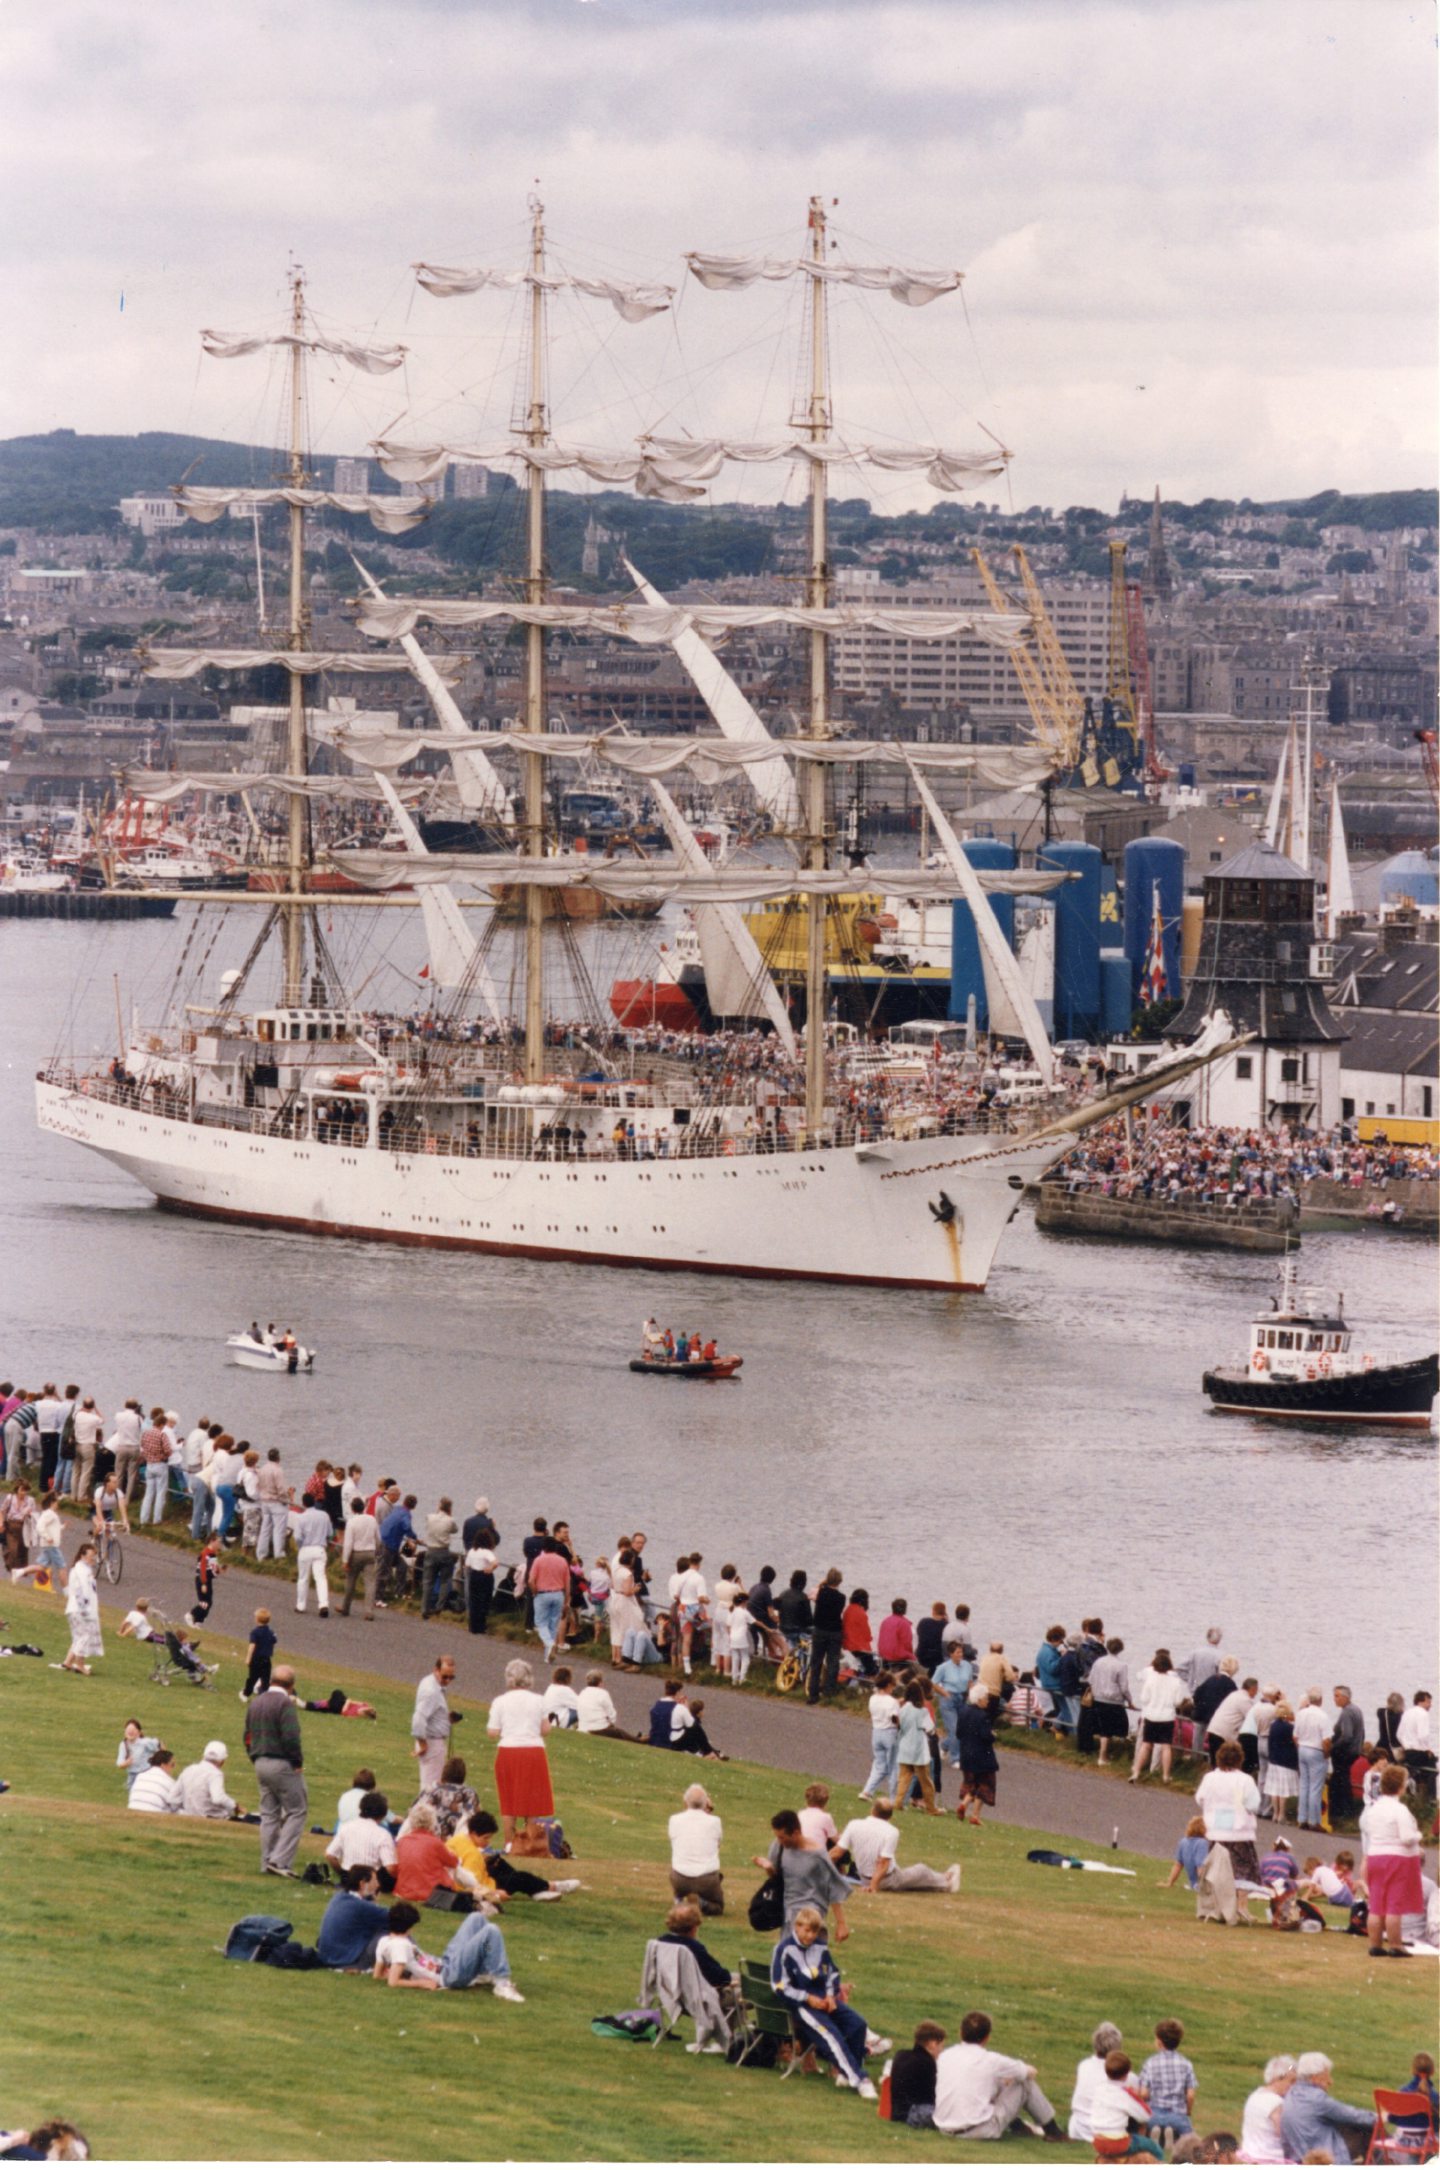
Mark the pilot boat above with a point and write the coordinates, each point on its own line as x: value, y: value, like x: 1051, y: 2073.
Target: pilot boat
x: 1303, y: 1366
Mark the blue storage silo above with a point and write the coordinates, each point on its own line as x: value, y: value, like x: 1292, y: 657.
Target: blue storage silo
x: 1077, y: 940
x: 967, y: 976
x: 1154, y: 865
x: 1117, y: 1001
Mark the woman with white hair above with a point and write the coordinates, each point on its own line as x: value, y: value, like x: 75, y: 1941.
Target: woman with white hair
x: 1311, y: 2119
x: 519, y: 1723
x: 1088, y: 2075
x: 1260, y: 2131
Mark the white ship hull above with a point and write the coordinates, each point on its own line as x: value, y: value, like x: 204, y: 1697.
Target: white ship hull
x: 845, y: 1213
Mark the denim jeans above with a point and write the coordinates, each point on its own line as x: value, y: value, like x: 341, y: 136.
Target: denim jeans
x: 157, y: 1484
x: 439, y: 1576
x: 226, y: 1501
x: 946, y: 1710
x: 1312, y: 1782
x: 476, y: 1948
x: 549, y: 1612
x: 884, y: 1760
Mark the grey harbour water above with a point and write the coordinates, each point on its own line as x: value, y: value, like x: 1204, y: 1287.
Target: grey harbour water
x: 1042, y: 1451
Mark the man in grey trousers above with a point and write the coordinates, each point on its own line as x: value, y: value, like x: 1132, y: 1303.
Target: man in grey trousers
x: 272, y: 1742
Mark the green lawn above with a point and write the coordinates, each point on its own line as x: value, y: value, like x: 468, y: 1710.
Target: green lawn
x: 121, y: 2014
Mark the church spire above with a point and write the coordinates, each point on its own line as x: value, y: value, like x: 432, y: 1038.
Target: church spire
x: 1159, y: 579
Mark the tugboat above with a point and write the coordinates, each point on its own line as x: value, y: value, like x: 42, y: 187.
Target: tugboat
x: 1303, y: 1367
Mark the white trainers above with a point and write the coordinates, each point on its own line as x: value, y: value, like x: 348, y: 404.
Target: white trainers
x: 866, y: 2091
x: 877, y: 2045
x: 568, y: 1883
x: 506, y: 1991
x: 952, y: 1877
x: 539, y: 1897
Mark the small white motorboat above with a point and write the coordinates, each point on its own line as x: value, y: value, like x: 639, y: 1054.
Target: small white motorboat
x: 265, y: 1355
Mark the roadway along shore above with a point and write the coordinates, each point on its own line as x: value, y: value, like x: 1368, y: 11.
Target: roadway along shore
x: 1034, y: 1791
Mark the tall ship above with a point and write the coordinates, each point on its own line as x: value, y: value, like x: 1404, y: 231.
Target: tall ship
x: 762, y: 1149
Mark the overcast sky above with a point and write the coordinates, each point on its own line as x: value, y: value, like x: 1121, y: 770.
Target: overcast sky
x: 1198, y: 235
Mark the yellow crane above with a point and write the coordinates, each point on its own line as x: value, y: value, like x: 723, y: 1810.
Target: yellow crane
x: 1055, y: 704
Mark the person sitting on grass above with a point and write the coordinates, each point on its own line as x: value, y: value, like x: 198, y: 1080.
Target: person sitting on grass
x: 912, y: 2077
x: 1190, y: 1852
x: 137, y: 1622
x: 1312, y: 2118
x: 980, y: 2094
x: 352, y: 1925
x: 496, y: 1876
x: 363, y: 1840
x: 156, y: 1792
x: 451, y: 1799
x: 681, y: 1924
x: 425, y: 1865
x: 803, y: 1972
x: 1116, y: 2111
x: 399, y: 1961
x: 1167, y: 2082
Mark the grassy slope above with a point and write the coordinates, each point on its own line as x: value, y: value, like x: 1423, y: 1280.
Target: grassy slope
x: 121, y: 2014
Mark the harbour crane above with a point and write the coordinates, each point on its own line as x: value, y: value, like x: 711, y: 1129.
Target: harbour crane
x: 1056, y: 718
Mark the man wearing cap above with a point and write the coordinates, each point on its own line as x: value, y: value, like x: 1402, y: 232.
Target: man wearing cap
x: 202, y: 1786
x: 1312, y: 2118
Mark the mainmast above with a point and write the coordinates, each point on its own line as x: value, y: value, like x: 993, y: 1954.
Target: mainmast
x: 536, y: 432
x: 817, y: 585
x: 298, y: 638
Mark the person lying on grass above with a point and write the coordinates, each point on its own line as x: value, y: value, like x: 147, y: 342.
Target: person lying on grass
x: 399, y: 1961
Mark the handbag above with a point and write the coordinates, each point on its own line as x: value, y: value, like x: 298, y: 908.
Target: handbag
x: 767, y: 1907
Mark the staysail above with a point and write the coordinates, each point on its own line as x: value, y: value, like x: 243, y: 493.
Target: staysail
x: 772, y: 781
x: 737, y: 982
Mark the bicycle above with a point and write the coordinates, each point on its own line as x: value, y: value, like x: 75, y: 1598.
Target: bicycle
x: 794, y: 1668
x: 112, y: 1558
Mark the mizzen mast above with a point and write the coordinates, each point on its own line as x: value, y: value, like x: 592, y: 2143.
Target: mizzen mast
x: 817, y: 595
x: 537, y: 430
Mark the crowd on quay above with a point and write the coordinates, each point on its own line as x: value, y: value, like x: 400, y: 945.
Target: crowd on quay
x: 1164, y: 1161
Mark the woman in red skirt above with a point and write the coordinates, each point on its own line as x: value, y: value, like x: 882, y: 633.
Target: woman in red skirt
x: 522, y: 1768
x: 1392, y: 1864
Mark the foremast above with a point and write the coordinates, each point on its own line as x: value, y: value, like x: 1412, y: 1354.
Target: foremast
x: 817, y: 596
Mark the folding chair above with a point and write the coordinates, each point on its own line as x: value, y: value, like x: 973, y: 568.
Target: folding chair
x: 1411, y: 2143
x: 767, y: 2015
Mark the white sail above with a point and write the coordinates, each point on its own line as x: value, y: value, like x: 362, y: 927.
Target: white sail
x: 677, y: 469
x: 1001, y: 768
x: 392, y: 515
x: 652, y: 881
x: 737, y: 983
x: 632, y: 300
x: 1275, y: 816
x: 914, y: 288
x: 375, y: 361
x: 656, y: 628
x: 302, y: 663
x: 476, y: 778
x: 772, y: 781
x: 1001, y: 966
x: 454, y: 960
x: 1339, y: 891
x: 1298, y: 842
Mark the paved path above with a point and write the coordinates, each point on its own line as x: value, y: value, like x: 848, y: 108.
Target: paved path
x: 1034, y: 1790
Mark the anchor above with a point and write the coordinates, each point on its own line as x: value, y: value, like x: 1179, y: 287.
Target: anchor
x: 944, y: 1211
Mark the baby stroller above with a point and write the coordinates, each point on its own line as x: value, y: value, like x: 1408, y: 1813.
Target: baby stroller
x: 177, y: 1657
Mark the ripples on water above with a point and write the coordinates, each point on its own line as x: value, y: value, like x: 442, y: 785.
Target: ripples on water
x: 1042, y: 1451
